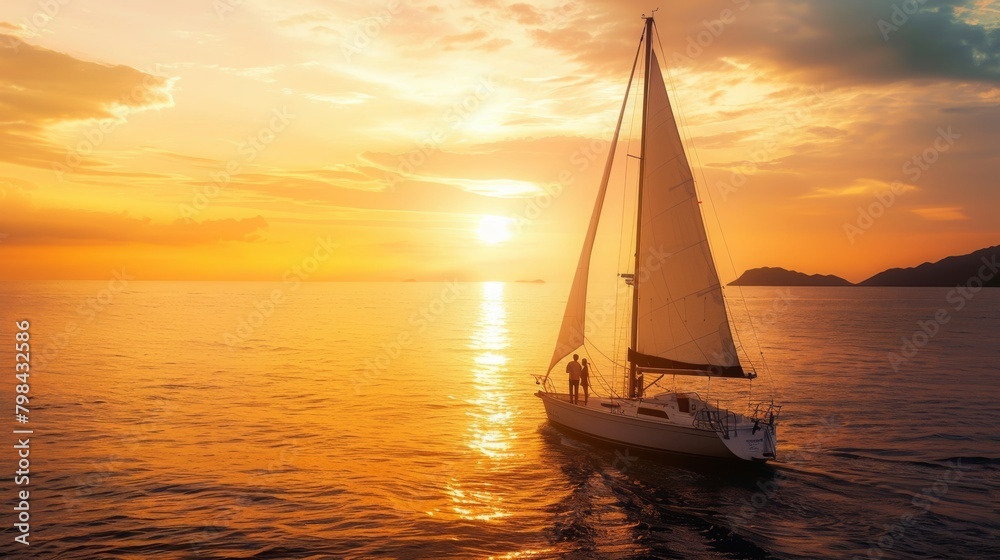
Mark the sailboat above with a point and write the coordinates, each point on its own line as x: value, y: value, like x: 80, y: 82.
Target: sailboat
x: 679, y: 320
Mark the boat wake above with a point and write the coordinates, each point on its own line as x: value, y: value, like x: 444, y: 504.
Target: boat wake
x: 619, y: 506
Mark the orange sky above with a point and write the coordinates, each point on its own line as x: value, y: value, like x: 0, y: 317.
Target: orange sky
x: 217, y: 139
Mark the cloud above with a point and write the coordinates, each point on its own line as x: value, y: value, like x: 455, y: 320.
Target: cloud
x: 860, y: 187
x: 723, y: 139
x: 379, y: 189
x: 496, y: 188
x: 349, y: 98
x: 459, y: 39
x: 474, y: 40
x: 264, y: 74
x: 850, y: 41
x: 485, y: 169
x: 41, y: 89
x: 307, y: 185
x: 836, y: 42
x: 526, y: 14
x: 943, y: 214
x: 597, y: 43
x: 27, y: 225
x: 307, y: 18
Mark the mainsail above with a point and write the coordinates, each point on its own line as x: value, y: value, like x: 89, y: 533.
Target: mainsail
x: 682, y: 322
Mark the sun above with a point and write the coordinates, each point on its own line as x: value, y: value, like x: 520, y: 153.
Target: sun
x: 494, y: 229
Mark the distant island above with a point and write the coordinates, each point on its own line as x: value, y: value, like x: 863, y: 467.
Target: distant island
x: 950, y: 271
x: 773, y: 276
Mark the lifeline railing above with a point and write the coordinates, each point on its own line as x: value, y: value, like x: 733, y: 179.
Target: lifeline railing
x: 545, y: 382
x: 719, y: 420
x: 766, y: 412
x: 725, y: 422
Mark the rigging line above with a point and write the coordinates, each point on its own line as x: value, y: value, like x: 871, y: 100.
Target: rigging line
x: 606, y: 357
x: 600, y: 377
x: 609, y: 390
x: 621, y: 221
x: 725, y: 245
x: 604, y: 383
x: 626, y: 318
x: 619, y: 331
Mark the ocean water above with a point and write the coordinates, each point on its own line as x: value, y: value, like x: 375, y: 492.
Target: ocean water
x: 397, y: 420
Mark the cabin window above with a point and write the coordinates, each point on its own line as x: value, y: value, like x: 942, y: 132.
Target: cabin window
x: 655, y: 412
x: 684, y: 404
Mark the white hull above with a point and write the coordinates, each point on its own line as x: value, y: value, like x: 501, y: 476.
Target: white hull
x: 665, y: 423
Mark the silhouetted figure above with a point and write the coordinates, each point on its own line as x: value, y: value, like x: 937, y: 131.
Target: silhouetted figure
x: 585, y: 381
x: 573, y: 369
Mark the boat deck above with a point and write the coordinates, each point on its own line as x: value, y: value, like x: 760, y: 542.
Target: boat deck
x: 650, y: 409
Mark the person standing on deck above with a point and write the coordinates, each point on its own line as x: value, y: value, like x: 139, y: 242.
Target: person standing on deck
x: 573, y: 369
x: 585, y: 381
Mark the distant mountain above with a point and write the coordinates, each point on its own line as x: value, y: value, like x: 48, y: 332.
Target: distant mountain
x: 535, y: 281
x: 982, y: 266
x: 952, y: 271
x: 768, y: 276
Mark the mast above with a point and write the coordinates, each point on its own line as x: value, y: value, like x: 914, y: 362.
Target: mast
x: 633, y: 390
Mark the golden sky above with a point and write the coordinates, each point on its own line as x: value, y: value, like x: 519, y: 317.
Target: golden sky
x: 227, y: 139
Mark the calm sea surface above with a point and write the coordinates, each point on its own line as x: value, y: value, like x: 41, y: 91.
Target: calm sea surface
x: 384, y: 420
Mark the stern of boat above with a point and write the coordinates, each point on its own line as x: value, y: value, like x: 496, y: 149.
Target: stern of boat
x: 760, y: 445
x: 755, y: 437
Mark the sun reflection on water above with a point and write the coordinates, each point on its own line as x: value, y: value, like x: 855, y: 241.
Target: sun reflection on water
x: 491, y: 428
